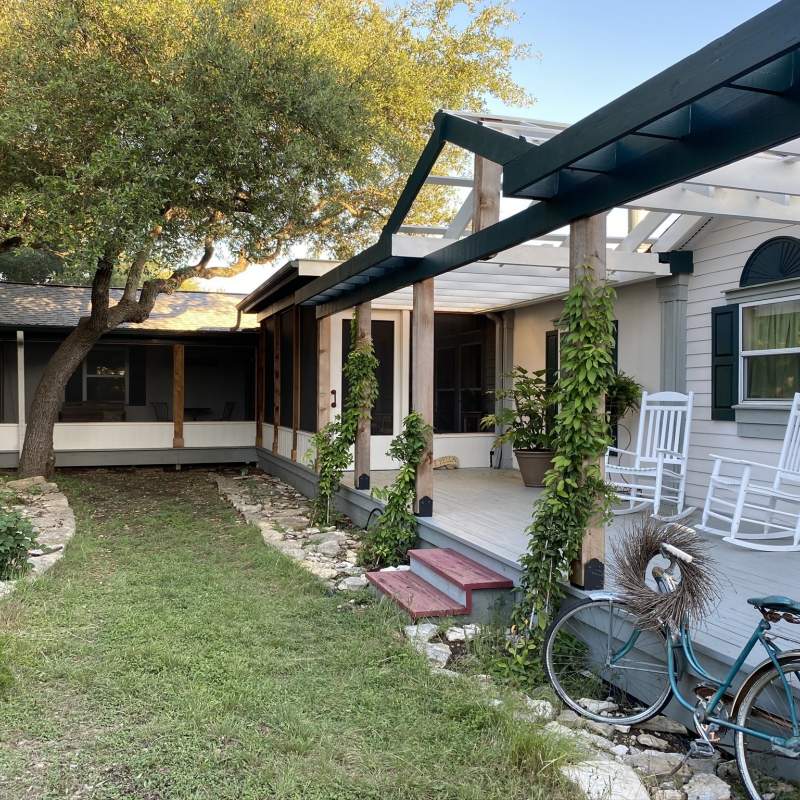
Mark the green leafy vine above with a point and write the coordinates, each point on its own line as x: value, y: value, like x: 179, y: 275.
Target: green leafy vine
x: 330, y: 447
x: 387, y: 542
x: 575, y: 492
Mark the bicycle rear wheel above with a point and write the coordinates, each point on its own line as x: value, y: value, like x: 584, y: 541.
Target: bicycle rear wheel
x: 765, y: 708
x: 603, y: 666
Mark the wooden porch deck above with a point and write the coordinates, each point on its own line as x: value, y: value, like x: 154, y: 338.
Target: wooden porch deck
x: 490, y: 509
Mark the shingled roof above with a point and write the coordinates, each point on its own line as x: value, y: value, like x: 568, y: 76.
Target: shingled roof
x: 51, y: 306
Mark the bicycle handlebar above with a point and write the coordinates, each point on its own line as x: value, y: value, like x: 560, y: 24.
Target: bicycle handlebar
x: 676, y: 552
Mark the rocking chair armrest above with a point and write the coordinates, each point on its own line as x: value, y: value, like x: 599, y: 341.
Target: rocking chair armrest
x: 667, y: 452
x: 745, y: 462
x: 619, y: 450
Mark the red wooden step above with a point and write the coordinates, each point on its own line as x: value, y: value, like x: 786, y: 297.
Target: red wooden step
x: 460, y: 570
x: 415, y: 595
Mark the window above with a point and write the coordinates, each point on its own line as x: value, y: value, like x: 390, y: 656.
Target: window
x: 770, y: 349
x: 106, y: 375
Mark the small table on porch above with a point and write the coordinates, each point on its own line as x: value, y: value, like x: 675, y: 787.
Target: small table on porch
x: 195, y: 412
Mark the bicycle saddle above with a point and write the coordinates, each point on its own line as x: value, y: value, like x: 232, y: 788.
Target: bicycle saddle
x: 776, y: 603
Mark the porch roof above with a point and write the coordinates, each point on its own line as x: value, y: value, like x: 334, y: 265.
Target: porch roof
x: 51, y: 306
x: 668, y: 146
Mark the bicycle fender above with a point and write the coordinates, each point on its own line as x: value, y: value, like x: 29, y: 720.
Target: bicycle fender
x: 758, y: 671
x: 600, y: 594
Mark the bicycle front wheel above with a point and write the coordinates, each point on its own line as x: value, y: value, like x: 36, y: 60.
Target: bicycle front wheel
x: 767, y: 708
x: 603, y: 666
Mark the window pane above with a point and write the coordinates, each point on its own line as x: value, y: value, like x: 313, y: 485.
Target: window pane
x: 771, y: 326
x: 106, y: 361
x: 105, y: 390
x: 772, y: 377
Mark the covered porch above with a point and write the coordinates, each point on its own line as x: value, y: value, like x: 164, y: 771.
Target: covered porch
x: 484, y: 513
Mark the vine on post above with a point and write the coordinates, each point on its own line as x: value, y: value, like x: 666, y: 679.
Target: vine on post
x: 387, y: 542
x: 330, y: 447
x: 575, y: 492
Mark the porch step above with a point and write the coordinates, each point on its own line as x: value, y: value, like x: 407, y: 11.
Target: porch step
x: 442, y: 582
x: 415, y: 595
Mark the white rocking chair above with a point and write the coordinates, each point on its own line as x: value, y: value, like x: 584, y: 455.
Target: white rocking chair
x: 655, y: 473
x: 751, y: 513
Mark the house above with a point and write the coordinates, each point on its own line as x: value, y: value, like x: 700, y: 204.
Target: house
x: 705, y: 157
x: 177, y: 388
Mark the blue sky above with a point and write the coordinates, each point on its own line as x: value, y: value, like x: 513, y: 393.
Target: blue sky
x: 591, y: 51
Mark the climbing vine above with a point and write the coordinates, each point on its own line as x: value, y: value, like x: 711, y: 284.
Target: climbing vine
x: 575, y: 493
x: 387, y: 542
x: 330, y: 447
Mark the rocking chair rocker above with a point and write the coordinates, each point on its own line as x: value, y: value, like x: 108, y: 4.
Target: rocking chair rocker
x: 751, y: 513
x: 655, y: 473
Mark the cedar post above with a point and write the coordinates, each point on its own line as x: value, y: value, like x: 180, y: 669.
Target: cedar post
x: 361, y: 465
x: 486, y: 195
x: 422, y: 388
x: 587, y: 248
x: 20, y: 391
x: 323, y: 372
x: 295, y: 378
x: 276, y: 368
x: 178, y: 394
x: 261, y: 351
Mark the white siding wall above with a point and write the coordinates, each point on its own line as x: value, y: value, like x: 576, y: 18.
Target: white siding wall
x: 638, y: 313
x: 720, y: 252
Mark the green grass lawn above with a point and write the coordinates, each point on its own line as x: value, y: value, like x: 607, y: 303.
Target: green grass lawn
x: 171, y: 654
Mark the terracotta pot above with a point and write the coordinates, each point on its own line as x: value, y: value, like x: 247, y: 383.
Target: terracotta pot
x: 533, y: 464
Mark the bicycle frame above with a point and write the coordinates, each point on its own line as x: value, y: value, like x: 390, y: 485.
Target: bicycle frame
x: 683, y: 640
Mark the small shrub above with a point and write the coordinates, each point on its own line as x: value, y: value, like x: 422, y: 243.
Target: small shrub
x: 16, y: 538
x: 387, y: 542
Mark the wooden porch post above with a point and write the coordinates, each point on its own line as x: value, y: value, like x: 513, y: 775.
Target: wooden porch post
x: 422, y: 387
x: 276, y: 369
x: 323, y: 372
x: 20, y: 391
x: 361, y: 466
x: 486, y: 193
x: 295, y: 378
x: 587, y: 248
x: 261, y: 351
x: 178, y: 394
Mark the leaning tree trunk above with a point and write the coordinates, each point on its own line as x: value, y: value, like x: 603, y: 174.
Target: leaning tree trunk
x: 37, y: 456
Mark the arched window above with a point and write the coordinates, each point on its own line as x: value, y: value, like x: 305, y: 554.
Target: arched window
x: 774, y: 260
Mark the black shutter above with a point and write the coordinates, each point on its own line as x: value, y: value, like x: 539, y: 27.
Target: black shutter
x: 73, y: 392
x: 724, y: 361
x: 551, y: 357
x: 615, y: 352
x: 137, y: 386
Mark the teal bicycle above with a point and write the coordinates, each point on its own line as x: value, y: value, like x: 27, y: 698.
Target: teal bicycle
x: 607, y: 667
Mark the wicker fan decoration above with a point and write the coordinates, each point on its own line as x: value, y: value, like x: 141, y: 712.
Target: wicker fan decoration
x: 697, y: 592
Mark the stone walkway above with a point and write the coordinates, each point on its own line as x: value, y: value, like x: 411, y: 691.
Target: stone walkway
x: 283, y: 516
x: 48, y: 511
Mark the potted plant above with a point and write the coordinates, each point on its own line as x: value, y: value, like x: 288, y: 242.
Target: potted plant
x: 623, y: 396
x: 527, y: 423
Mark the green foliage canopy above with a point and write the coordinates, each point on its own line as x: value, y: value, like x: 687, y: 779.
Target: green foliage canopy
x: 158, y: 126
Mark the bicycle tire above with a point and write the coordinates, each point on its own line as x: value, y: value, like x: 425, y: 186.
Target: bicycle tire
x: 558, y: 625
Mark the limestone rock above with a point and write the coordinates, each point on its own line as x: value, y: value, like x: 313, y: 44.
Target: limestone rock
x: 352, y: 584
x: 23, y: 484
x: 330, y: 548
x: 540, y: 709
x: 662, y: 724
x: 571, y: 719
x: 597, y: 706
x: 423, y: 632
x: 651, y: 742
x: 653, y: 762
x: 590, y: 740
x: 455, y: 634
x: 668, y: 794
x: 436, y: 652
x: 606, y: 780
x: 707, y: 787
